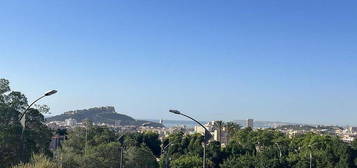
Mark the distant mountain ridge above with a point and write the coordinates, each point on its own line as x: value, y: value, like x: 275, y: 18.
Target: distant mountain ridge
x: 106, y: 115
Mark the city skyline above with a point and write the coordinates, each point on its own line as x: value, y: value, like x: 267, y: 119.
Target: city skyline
x: 240, y: 121
x: 285, y: 61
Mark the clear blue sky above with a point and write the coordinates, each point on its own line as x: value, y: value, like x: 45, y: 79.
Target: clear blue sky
x: 268, y: 60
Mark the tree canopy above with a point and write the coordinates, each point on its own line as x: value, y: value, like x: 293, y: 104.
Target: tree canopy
x: 16, y: 146
x: 96, y: 146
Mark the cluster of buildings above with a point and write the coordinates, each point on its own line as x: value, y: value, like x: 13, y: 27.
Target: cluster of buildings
x: 68, y: 123
x: 219, y: 133
x: 347, y: 134
x: 73, y: 123
x: 162, y: 131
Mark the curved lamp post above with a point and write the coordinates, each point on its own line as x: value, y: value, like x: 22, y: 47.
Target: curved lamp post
x: 22, y: 118
x: 207, y: 134
x: 23, y: 115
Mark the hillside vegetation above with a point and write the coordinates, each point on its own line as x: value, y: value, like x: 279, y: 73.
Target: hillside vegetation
x: 106, y: 115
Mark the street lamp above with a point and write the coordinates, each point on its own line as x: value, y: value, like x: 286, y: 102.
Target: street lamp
x: 207, y: 134
x: 22, y: 118
x: 310, y: 160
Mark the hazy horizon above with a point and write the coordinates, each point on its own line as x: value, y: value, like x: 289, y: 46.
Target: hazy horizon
x: 204, y: 121
x: 291, y: 61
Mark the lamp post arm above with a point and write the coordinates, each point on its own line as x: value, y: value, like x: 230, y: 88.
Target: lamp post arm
x: 22, y: 115
x: 164, y: 148
x: 195, y: 121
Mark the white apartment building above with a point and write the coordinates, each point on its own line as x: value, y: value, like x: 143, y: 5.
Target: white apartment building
x: 70, y: 122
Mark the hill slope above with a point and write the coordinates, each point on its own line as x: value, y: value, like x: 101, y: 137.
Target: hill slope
x: 101, y: 115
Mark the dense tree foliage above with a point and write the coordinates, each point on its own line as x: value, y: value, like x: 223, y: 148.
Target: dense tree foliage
x: 270, y: 148
x: 94, y: 146
x: 90, y: 147
x: 15, y: 145
x: 149, y: 139
x: 140, y: 157
x: 186, y: 161
x: 249, y: 148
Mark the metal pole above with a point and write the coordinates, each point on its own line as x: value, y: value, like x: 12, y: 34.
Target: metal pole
x: 85, y: 148
x: 279, y: 149
x: 310, y: 160
x: 121, y: 157
x: 121, y: 151
x: 204, y: 155
x: 166, y: 161
x: 166, y: 154
x: 22, y: 120
x: 23, y: 147
x: 85, y: 145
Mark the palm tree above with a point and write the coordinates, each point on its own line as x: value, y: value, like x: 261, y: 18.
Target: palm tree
x: 231, y: 128
x: 218, y: 125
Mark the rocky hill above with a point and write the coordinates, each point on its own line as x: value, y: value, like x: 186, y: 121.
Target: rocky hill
x: 106, y: 115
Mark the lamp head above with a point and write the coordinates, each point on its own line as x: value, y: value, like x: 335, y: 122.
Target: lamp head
x: 175, y: 111
x: 51, y: 92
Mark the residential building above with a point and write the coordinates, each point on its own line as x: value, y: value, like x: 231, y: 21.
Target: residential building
x: 250, y: 123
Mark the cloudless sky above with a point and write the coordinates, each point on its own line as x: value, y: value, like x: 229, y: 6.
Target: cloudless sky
x: 272, y: 60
